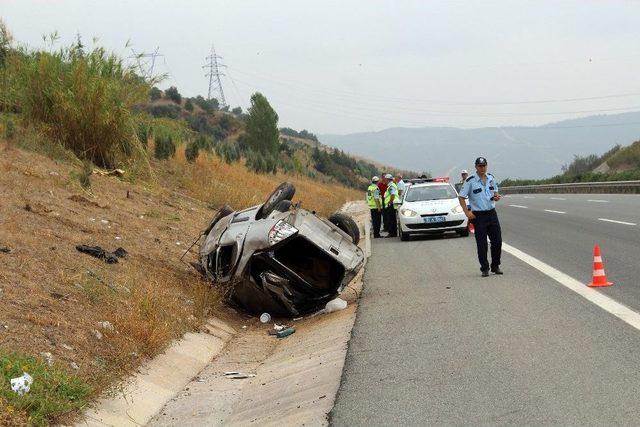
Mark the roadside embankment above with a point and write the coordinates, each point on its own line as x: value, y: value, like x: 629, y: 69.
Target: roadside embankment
x: 295, y: 383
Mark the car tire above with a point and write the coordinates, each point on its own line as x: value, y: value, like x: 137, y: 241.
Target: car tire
x: 464, y: 233
x: 346, y: 224
x: 224, y: 211
x: 284, y: 191
x: 404, y: 236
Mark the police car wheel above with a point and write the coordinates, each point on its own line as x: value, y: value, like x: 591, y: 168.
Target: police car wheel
x: 346, y: 224
x: 284, y: 191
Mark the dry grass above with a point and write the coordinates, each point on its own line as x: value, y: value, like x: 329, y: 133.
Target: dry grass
x: 212, y: 180
x: 52, y: 296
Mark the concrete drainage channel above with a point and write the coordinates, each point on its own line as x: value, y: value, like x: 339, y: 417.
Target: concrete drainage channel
x: 296, y: 378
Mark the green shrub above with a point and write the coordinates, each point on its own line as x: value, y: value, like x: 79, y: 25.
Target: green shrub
x: 164, y: 147
x: 191, y: 152
x: 52, y: 394
x: 173, y: 94
x: 188, y: 105
x: 9, y: 129
x: 261, y: 163
x: 81, y: 99
x: 155, y: 94
x: 228, y: 151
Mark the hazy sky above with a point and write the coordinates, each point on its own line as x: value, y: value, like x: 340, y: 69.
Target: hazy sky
x: 349, y: 66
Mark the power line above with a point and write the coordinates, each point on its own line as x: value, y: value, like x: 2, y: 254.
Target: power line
x: 215, y: 84
x: 352, y: 94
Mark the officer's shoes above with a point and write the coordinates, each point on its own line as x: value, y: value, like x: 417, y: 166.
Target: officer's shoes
x: 496, y: 270
x: 485, y: 273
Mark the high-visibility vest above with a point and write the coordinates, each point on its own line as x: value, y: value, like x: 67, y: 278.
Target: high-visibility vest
x: 387, y: 195
x: 371, y: 200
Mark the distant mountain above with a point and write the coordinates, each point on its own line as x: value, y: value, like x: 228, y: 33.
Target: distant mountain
x: 513, y: 152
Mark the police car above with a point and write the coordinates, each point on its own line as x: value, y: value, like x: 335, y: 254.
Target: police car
x: 430, y: 206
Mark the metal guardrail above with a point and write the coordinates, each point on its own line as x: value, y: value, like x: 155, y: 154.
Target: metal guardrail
x: 576, y: 187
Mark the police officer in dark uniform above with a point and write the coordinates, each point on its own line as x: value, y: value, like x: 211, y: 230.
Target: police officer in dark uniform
x: 482, y: 190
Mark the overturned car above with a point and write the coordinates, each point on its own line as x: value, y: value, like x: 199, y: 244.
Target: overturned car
x: 280, y: 258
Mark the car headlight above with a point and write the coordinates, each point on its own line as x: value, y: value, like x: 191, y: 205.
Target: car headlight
x: 457, y: 209
x: 281, y: 231
x: 408, y: 212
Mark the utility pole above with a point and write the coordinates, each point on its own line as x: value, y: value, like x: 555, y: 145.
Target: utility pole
x: 144, y: 68
x: 213, y: 66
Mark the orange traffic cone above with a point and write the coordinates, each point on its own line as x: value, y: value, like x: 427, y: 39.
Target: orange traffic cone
x: 599, y: 278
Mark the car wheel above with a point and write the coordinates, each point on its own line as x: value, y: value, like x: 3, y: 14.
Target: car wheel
x: 346, y: 224
x: 224, y: 211
x: 464, y: 233
x: 404, y: 236
x: 285, y: 191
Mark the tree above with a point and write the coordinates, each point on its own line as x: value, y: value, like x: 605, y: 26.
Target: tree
x: 173, y: 94
x: 188, y: 105
x: 262, y: 134
x: 237, y: 111
x: 155, y: 94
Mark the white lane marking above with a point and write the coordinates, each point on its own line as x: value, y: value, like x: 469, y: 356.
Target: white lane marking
x: 617, y: 222
x: 557, y: 198
x: 604, y: 302
x: 519, y: 206
x: 552, y: 211
x: 529, y: 197
x: 597, y: 201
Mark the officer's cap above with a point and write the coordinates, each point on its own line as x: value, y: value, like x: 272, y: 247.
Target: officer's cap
x: 481, y: 161
x: 388, y: 176
x: 375, y: 179
x: 464, y: 171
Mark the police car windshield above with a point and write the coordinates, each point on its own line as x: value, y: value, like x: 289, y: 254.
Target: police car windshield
x: 431, y: 192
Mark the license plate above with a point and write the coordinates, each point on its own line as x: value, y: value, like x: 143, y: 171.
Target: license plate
x: 432, y: 219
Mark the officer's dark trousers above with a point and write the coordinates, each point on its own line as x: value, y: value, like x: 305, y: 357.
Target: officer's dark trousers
x: 487, y: 224
x: 390, y: 221
x: 376, y: 217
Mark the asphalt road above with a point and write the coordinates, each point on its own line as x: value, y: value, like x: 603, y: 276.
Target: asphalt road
x: 436, y: 344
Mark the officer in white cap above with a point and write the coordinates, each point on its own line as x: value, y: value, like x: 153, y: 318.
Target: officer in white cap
x: 375, y: 205
x: 482, y: 190
x: 390, y: 195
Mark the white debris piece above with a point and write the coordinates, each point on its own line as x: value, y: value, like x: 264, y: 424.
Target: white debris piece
x: 105, y: 324
x: 75, y: 366
x: 335, y: 305
x: 104, y: 221
x: 22, y: 384
x: 66, y: 347
x: 97, y: 334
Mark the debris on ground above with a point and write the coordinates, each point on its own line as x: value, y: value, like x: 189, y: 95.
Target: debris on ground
x: 105, y: 324
x: 265, y: 317
x: 22, y: 384
x: 335, y: 305
x: 285, y: 332
x: 97, y: 334
x: 235, y: 375
x: 113, y: 172
x: 98, y: 252
x: 5, y: 249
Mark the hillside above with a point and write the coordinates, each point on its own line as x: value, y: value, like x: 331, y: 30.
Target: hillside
x: 515, y: 152
x: 620, y: 163
x: 224, y: 130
